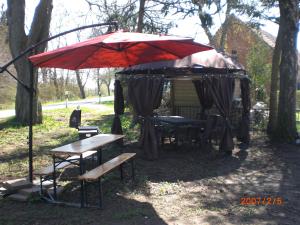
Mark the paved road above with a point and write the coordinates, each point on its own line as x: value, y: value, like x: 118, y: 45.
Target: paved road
x: 91, y: 103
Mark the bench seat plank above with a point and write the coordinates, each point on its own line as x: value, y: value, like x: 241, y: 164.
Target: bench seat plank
x: 106, y: 167
x: 49, y: 169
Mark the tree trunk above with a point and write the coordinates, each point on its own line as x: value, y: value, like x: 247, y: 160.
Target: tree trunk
x: 80, y: 85
x: 57, y: 93
x: 44, y: 72
x: 19, y: 41
x: 67, y: 78
x: 274, y: 85
x: 108, y: 90
x: 225, y: 26
x: 286, y: 123
x: 141, y: 16
x: 98, y: 81
x: 98, y: 86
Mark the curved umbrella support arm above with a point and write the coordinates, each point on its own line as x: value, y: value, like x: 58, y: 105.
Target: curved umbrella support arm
x: 30, y: 49
x: 30, y: 88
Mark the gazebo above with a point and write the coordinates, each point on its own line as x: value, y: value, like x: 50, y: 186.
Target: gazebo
x: 212, y: 75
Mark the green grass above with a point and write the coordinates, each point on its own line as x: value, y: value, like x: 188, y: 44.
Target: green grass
x: 53, y: 132
x: 5, y: 106
x: 109, y: 103
x: 72, y: 99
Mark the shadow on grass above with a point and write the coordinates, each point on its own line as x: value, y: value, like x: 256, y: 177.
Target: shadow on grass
x: 10, y: 123
x: 269, y: 171
x: 42, y: 149
x: 117, y: 210
x: 288, y: 157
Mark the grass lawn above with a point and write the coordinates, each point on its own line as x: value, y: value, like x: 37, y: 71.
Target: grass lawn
x: 53, y: 132
x: 187, y: 185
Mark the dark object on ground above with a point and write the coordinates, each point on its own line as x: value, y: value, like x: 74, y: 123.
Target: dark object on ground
x: 83, y: 131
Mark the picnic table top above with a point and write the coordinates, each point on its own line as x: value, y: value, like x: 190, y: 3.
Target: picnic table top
x: 92, y: 143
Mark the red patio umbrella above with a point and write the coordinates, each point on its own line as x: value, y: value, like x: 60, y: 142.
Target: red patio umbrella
x: 118, y: 49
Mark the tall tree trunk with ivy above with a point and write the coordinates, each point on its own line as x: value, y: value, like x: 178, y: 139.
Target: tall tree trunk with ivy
x: 18, y: 42
x: 274, y: 85
x: 286, y: 122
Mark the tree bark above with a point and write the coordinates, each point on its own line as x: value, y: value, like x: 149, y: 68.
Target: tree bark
x: 19, y: 41
x: 80, y: 85
x: 274, y: 85
x: 108, y: 90
x: 286, y: 124
x: 141, y: 16
x: 55, y: 82
x: 225, y: 27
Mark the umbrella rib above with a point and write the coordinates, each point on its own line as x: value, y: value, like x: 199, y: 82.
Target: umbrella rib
x: 61, y: 54
x: 97, y: 45
x: 172, y: 53
x: 53, y: 57
x: 89, y: 55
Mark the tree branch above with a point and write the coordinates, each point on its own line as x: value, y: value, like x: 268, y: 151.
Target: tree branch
x: 38, y: 30
x: 16, y: 19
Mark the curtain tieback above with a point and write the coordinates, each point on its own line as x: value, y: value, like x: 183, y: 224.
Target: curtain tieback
x: 143, y: 119
x: 228, y: 123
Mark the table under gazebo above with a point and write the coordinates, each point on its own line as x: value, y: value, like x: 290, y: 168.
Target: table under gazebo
x: 213, y: 76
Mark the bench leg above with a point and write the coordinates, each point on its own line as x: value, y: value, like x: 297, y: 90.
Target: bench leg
x: 81, y: 193
x: 132, y: 169
x: 121, y: 172
x: 99, y: 156
x: 41, y: 186
x: 85, y: 184
x: 54, y: 179
x: 82, y: 184
x: 100, y: 194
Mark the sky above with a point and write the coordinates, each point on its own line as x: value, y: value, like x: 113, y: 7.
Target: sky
x: 189, y: 27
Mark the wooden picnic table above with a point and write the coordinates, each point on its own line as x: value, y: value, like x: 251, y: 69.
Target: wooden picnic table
x: 79, y: 148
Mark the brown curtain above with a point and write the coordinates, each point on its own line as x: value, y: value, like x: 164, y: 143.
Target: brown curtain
x: 244, y: 128
x: 204, y: 96
x: 116, y: 127
x: 222, y: 89
x: 145, y: 94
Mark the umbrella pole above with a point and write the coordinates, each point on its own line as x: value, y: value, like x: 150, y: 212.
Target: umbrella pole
x: 30, y: 133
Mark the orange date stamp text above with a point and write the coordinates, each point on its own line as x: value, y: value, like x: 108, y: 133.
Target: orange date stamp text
x: 261, y: 200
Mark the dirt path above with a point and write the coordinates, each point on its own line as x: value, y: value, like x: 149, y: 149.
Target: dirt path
x: 187, y: 186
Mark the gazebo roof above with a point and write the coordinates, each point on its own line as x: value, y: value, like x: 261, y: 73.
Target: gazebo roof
x: 203, y: 62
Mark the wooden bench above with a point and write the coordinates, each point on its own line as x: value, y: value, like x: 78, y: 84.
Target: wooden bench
x: 96, y: 173
x: 48, y: 171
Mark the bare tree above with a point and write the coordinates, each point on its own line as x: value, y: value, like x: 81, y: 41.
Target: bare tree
x: 141, y: 15
x: 107, y: 78
x: 80, y: 82
x: 98, y: 80
x: 19, y: 41
x: 3, y: 16
x: 130, y: 17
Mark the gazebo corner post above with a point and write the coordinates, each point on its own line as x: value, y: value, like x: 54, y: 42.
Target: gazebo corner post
x: 30, y: 122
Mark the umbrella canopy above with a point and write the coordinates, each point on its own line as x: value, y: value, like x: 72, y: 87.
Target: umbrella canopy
x: 119, y: 49
x: 206, y: 60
